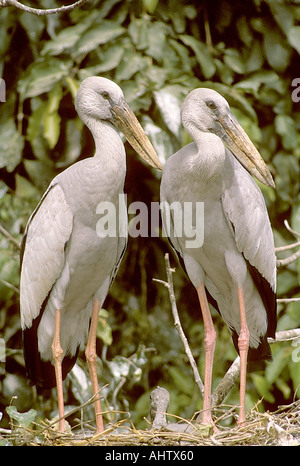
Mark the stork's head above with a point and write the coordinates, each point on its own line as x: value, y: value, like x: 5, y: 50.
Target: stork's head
x: 102, y: 100
x: 207, y: 111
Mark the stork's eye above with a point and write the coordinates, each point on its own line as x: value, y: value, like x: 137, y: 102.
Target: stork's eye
x: 211, y: 104
x: 105, y: 95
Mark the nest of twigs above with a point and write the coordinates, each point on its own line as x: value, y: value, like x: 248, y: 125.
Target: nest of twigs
x: 280, y: 428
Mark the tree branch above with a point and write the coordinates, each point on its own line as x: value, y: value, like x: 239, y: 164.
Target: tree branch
x: 288, y: 300
x: 288, y: 260
x: 232, y: 374
x: 177, y: 324
x: 40, y: 12
x: 287, y: 226
x: 293, y: 257
x: 9, y: 236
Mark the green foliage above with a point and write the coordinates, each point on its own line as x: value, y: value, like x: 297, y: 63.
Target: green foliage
x: 157, y: 52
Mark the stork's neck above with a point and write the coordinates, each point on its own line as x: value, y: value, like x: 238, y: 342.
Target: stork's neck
x: 110, y: 151
x: 210, y: 157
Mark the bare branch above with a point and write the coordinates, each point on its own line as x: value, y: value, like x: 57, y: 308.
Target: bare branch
x: 293, y: 257
x: 288, y: 300
x: 39, y: 12
x: 285, y: 335
x: 289, y: 246
x: 178, y: 326
x: 287, y: 226
x: 288, y: 260
x: 9, y: 285
x: 9, y: 236
x: 226, y: 383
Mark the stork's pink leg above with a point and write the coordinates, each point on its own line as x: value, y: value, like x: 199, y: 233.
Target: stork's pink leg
x: 57, y: 353
x: 243, y: 344
x: 209, y: 345
x: 91, y: 357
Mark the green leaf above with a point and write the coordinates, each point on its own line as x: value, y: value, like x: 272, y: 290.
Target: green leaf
x: 119, y: 367
x: 295, y: 217
x: 52, y: 119
x: 294, y: 366
x: 263, y: 387
x: 104, y: 330
x: 276, y: 50
x: 11, y: 146
x: 159, y: 138
x: 64, y: 40
x: 52, y: 128
x: 39, y: 173
x: 33, y: 27
x: 72, y: 85
x: 23, y: 419
x: 255, y: 58
x: 157, y: 42
x: 280, y: 361
x: 25, y: 189
x: 169, y: 100
x: 294, y: 38
x: 72, y: 146
x: 256, y: 80
x: 41, y: 77
x: 131, y: 63
x: 233, y: 59
x: 100, y: 34
x: 283, y: 15
x: 150, y: 5
x: 182, y: 383
x: 206, y: 62
x: 286, y: 128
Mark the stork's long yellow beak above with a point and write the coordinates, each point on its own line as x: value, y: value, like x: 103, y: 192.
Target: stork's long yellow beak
x: 125, y: 120
x: 244, y: 150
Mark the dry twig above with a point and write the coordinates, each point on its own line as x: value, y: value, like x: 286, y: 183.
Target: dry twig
x: 39, y: 12
x: 177, y: 323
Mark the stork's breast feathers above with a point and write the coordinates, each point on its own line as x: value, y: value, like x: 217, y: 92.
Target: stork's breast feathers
x: 47, y: 233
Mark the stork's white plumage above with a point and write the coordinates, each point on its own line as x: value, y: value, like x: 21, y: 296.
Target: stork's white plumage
x: 66, y: 267
x: 235, y: 267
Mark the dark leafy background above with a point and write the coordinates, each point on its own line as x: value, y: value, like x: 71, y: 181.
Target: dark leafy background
x: 157, y: 52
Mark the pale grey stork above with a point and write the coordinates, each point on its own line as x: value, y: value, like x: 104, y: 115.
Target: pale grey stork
x: 234, y: 267
x: 67, y: 264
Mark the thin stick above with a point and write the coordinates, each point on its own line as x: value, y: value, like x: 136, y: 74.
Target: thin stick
x: 288, y: 260
x: 9, y: 236
x: 293, y: 257
x: 285, y: 335
x: 288, y: 300
x: 288, y: 246
x: 39, y: 12
x: 178, y: 326
x: 287, y: 226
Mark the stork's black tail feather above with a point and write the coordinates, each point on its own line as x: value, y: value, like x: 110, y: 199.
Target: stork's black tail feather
x: 41, y: 373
